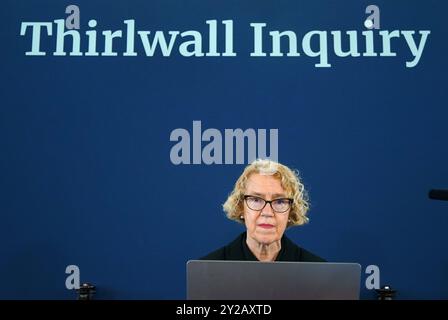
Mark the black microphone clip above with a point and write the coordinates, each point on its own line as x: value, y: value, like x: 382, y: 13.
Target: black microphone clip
x: 438, y: 194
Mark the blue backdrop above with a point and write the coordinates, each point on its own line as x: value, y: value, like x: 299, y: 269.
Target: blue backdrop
x: 86, y: 177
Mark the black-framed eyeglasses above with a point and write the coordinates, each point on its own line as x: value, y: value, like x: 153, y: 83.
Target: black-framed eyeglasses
x: 280, y: 205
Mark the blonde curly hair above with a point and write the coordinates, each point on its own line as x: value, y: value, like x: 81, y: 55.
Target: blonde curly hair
x: 290, y: 181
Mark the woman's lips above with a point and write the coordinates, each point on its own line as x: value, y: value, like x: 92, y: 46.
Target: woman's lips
x: 265, y: 226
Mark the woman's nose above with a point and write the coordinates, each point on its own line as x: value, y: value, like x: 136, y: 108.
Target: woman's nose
x: 267, y: 210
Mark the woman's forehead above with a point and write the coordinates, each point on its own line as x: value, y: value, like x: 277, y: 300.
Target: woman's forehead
x: 264, y: 185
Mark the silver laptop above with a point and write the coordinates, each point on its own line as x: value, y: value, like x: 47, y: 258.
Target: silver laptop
x: 253, y: 280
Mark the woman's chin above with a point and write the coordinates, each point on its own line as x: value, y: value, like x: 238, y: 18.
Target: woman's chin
x: 266, y: 239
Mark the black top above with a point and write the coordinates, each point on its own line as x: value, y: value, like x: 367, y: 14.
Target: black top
x: 238, y: 250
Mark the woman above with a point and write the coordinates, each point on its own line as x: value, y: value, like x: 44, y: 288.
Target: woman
x: 268, y: 197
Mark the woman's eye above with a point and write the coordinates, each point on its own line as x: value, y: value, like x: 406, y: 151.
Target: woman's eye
x: 281, y: 202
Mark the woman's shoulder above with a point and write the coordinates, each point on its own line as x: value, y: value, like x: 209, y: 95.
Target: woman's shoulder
x: 231, y: 251
x: 293, y: 252
x: 218, y: 254
x: 308, y: 256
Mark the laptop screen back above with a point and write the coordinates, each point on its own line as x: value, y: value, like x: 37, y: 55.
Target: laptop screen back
x: 252, y: 280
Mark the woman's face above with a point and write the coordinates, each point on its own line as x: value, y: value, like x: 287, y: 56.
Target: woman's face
x: 265, y: 226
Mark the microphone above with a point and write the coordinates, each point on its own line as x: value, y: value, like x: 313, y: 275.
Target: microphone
x: 438, y: 194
